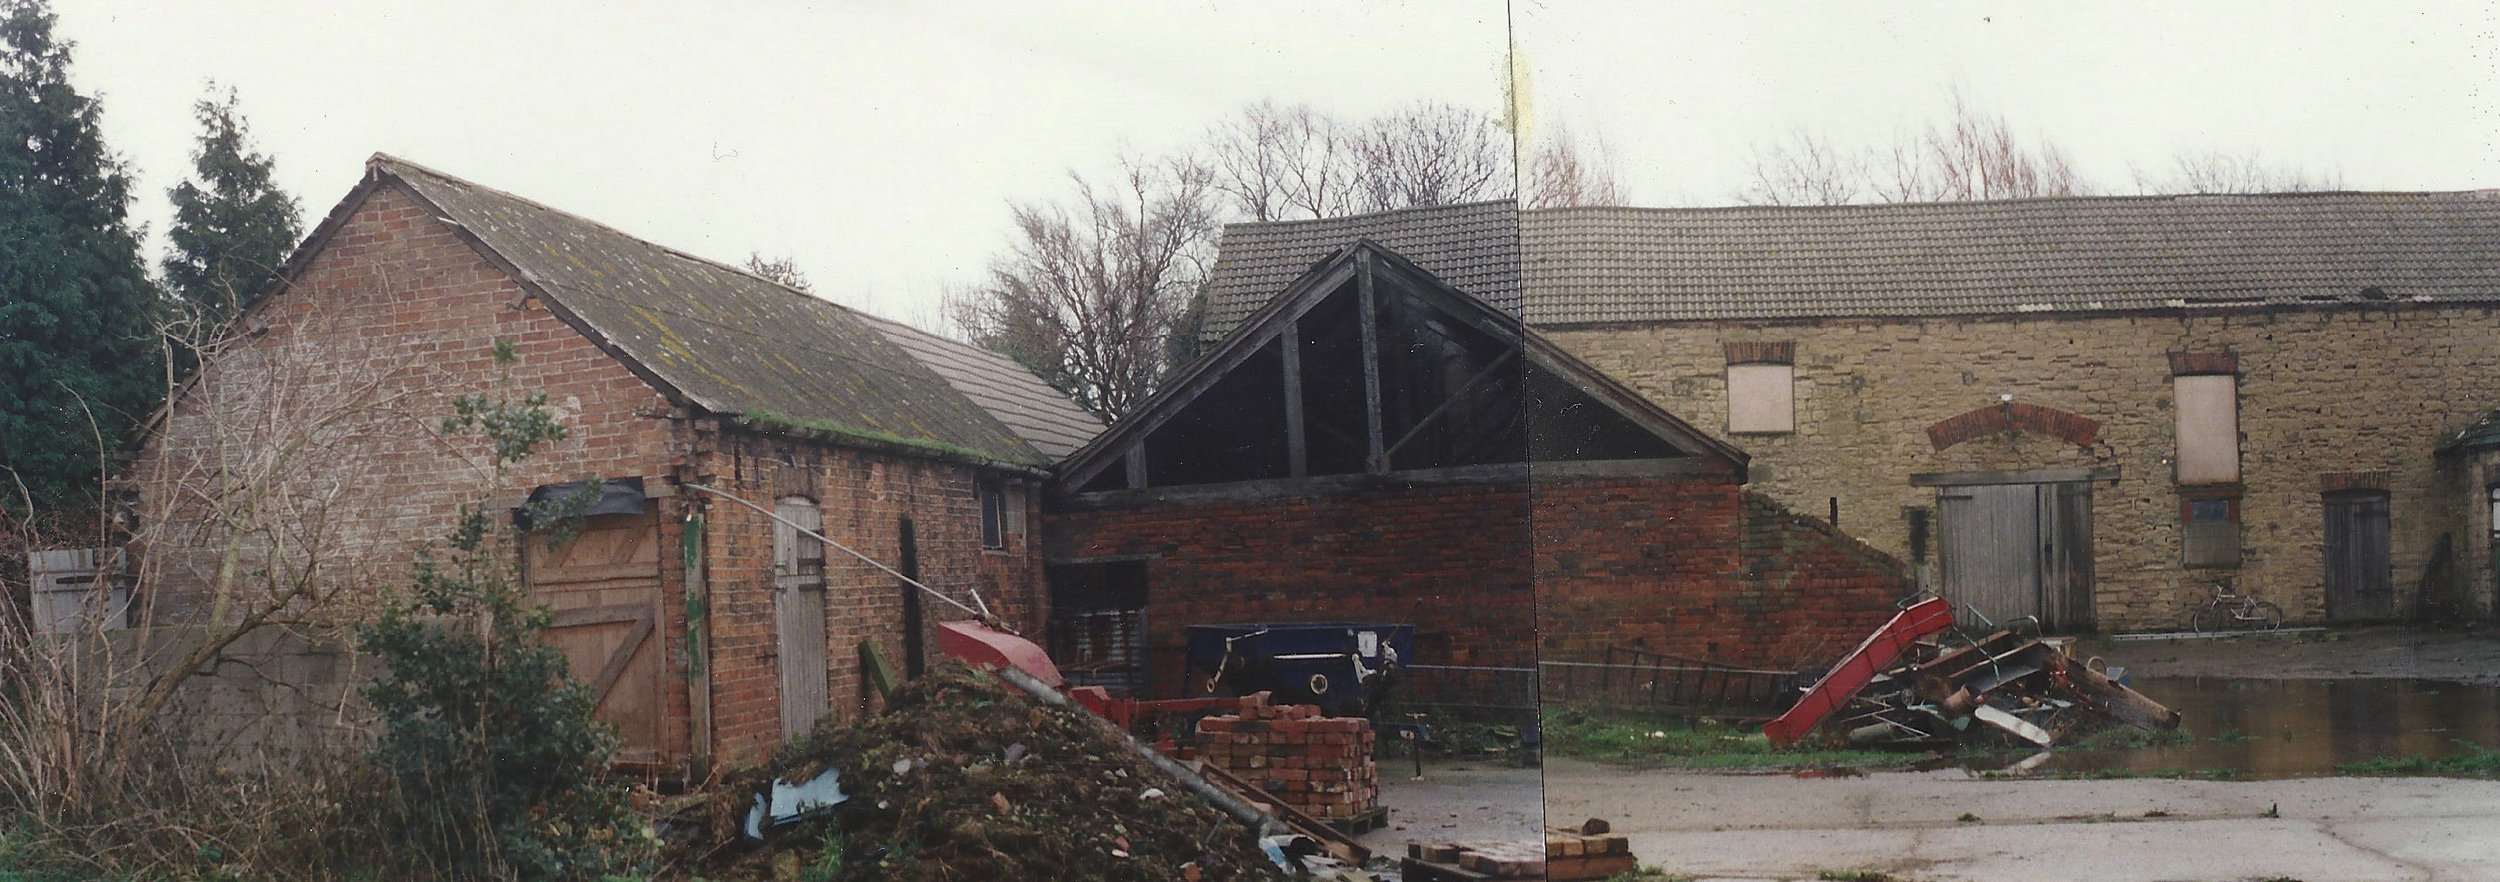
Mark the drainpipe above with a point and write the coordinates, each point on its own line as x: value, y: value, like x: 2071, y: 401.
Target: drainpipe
x: 698, y: 645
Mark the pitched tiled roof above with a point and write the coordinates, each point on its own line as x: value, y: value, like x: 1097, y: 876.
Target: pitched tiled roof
x: 1044, y: 417
x: 2008, y: 257
x: 720, y: 338
x: 1595, y: 265
x: 1473, y: 247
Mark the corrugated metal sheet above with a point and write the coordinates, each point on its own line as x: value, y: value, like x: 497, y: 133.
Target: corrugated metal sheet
x: 732, y: 342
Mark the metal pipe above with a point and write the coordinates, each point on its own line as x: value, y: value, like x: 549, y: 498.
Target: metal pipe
x: 982, y: 614
x: 1240, y: 809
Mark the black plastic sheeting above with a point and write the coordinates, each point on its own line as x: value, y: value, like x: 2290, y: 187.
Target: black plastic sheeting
x: 616, y: 496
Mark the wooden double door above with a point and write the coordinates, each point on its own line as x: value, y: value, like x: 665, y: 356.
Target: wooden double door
x: 603, y: 588
x: 2010, y: 551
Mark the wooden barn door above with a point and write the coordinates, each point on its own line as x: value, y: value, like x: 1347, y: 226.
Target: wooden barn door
x: 799, y: 614
x: 604, y: 590
x: 2357, y: 581
x: 2008, y: 551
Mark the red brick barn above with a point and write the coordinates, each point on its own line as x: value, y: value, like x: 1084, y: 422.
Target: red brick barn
x: 710, y: 631
x: 1371, y: 443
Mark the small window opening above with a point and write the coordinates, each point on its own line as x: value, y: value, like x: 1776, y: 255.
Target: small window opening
x: 993, y: 515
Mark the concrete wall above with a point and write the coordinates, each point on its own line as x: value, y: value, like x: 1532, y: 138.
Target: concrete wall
x: 2322, y: 391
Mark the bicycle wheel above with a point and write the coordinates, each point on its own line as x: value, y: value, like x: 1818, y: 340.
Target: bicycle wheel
x: 2205, y: 619
x: 2265, y: 616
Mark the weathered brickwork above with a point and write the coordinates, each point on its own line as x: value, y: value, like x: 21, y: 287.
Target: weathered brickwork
x: 2323, y: 390
x: 1451, y: 559
x: 1320, y: 765
x: 1499, y: 574
x: 395, y: 307
x: 1700, y: 569
x: 865, y: 498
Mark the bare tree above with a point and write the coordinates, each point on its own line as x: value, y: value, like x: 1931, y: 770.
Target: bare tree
x: 1282, y: 163
x: 1805, y: 170
x: 1434, y: 154
x: 1974, y: 154
x: 780, y: 269
x: 2214, y: 171
x: 1560, y: 175
x: 1278, y: 163
x: 1093, y: 288
x: 238, y: 541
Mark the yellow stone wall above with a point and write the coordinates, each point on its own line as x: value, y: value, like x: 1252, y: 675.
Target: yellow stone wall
x: 2326, y: 389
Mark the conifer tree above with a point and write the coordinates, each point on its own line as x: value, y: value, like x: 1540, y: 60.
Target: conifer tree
x: 232, y: 225
x: 78, y: 351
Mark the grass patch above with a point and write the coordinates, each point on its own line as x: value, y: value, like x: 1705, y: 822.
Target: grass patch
x: 1653, y: 741
x: 2130, y: 738
x: 2479, y: 762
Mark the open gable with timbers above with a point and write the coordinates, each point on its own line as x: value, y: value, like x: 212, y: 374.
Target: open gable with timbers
x: 1373, y: 444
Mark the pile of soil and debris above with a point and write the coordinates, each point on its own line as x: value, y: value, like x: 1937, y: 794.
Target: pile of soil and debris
x: 965, y: 777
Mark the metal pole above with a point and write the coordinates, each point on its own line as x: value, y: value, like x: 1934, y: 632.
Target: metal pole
x: 983, y: 613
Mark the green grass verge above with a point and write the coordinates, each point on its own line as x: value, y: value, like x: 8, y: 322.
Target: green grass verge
x: 1652, y: 741
x: 2480, y: 762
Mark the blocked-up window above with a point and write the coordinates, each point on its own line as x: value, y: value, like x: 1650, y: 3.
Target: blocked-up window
x: 2208, y: 411
x: 2209, y: 531
x: 1761, y: 398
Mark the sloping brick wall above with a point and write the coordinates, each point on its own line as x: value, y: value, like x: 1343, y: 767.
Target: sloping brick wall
x: 1704, y: 570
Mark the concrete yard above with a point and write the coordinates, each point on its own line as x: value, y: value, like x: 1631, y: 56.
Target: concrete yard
x: 1911, y: 824
x: 1457, y: 802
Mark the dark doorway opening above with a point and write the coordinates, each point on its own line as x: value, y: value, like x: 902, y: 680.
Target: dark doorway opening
x: 1098, y: 624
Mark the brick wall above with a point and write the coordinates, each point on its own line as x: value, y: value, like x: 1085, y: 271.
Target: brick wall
x: 865, y: 496
x: 1450, y: 559
x: 1701, y: 569
x: 2322, y: 390
x: 334, y: 397
x: 1685, y: 565
x: 398, y: 316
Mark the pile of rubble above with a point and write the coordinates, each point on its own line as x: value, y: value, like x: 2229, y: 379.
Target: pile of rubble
x: 966, y: 777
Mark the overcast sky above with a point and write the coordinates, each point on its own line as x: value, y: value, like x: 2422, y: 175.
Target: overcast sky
x: 880, y: 146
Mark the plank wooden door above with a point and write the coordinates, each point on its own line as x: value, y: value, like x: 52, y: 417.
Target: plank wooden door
x: 2007, y: 551
x: 604, y: 590
x: 799, y: 614
x: 2357, y: 581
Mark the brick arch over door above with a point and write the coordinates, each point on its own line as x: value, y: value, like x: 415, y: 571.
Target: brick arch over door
x: 2014, y: 416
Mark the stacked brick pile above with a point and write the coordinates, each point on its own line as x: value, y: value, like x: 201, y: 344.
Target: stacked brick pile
x: 1320, y: 765
x: 1590, y: 852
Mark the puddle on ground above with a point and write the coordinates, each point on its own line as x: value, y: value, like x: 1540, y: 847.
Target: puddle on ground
x: 2289, y: 728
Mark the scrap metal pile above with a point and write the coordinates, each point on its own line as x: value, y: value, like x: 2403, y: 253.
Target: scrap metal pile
x: 1902, y: 688
x: 2007, y: 690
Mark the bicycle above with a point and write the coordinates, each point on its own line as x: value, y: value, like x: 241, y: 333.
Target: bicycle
x: 2234, y: 611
